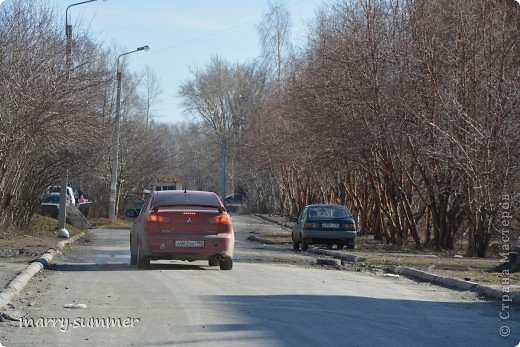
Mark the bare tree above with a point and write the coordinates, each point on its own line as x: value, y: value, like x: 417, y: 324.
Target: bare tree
x: 152, y: 91
x: 217, y: 95
x: 46, y: 122
x: 274, y: 32
x: 401, y: 118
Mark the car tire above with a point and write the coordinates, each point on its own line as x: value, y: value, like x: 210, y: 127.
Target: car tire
x: 351, y: 244
x: 142, y: 261
x: 340, y: 245
x: 133, y: 256
x: 305, y: 244
x: 213, y: 262
x: 226, y: 264
x: 296, y: 245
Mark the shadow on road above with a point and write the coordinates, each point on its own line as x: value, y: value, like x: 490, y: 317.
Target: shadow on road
x: 321, y: 320
x: 123, y: 267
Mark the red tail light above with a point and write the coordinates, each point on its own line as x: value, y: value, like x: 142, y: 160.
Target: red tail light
x: 348, y: 226
x: 311, y: 225
x: 224, y: 218
x: 155, y: 218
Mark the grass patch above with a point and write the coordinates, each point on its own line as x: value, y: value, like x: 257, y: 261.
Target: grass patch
x: 38, y: 226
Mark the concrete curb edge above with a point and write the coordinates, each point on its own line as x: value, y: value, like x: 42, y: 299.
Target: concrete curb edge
x: 346, y: 257
x: 453, y: 283
x: 17, y: 284
x: 273, y: 220
x: 268, y: 242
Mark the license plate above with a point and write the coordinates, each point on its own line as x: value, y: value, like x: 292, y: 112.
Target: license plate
x: 189, y: 244
x: 330, y: 225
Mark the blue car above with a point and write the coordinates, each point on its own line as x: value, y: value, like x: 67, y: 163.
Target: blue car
x: 324, y: 224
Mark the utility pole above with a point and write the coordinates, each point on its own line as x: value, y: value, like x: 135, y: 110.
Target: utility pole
x: 112, y: 201
x: 62, y: 209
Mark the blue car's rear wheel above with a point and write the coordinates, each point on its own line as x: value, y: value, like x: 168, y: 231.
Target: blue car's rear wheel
x: 305, y: 244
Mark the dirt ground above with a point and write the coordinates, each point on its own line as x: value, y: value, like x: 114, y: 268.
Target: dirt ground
x: 39, y: 236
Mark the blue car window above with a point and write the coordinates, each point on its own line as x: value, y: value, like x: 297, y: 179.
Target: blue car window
x: 329, y: 212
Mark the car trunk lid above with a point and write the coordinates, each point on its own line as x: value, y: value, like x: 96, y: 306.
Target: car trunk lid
x: 186, y: 219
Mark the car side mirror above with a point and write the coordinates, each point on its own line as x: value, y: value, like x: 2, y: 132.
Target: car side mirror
x: 132, y: 213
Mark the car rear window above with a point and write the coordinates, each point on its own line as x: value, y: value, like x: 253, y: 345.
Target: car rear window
x: 328, y: 212
x: 187, y: 199
x: 53, y: 199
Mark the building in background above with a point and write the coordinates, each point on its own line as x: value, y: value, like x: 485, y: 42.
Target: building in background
x: 166, y: 182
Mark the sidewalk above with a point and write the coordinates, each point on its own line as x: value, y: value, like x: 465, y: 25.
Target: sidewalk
x: 16, y: 272
x: 9, y: 269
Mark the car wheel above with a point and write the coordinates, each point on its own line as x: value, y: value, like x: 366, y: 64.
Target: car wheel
x: 133, y: 256
x: 142, y: 261
x: 296, y: 245
x: 226, y: 264
x: 305, y: 244
x: 340, y: 245
x: 213, y: 262
x: 351, y: 244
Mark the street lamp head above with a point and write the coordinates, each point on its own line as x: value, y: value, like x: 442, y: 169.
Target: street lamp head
x: 75, y: 4
x: 144, y: 48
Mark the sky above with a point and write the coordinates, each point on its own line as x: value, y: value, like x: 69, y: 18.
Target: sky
x: 182, y: 34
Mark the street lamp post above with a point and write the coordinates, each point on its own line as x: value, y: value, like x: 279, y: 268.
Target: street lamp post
x: 115, y: 143
x: 62, y: 210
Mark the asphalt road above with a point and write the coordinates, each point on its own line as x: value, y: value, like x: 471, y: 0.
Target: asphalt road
x: 272, y: 297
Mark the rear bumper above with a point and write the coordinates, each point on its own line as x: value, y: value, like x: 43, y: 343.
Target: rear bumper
x: 162, y: 246
x: 330, y: 235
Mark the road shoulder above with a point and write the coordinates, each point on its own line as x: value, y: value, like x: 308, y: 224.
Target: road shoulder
x: 23, y: 273
x: 502, y: 287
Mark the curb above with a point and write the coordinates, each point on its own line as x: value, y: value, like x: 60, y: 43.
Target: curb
x: 273, y: 221
x: 20, y: 281
x: 255, y: 238
x: 328, y: 262
x: 454, y: 283
x: 259, y: 239
x: 347, y: 257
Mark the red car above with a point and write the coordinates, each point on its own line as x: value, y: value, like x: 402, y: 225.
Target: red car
x: 182, y: 225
